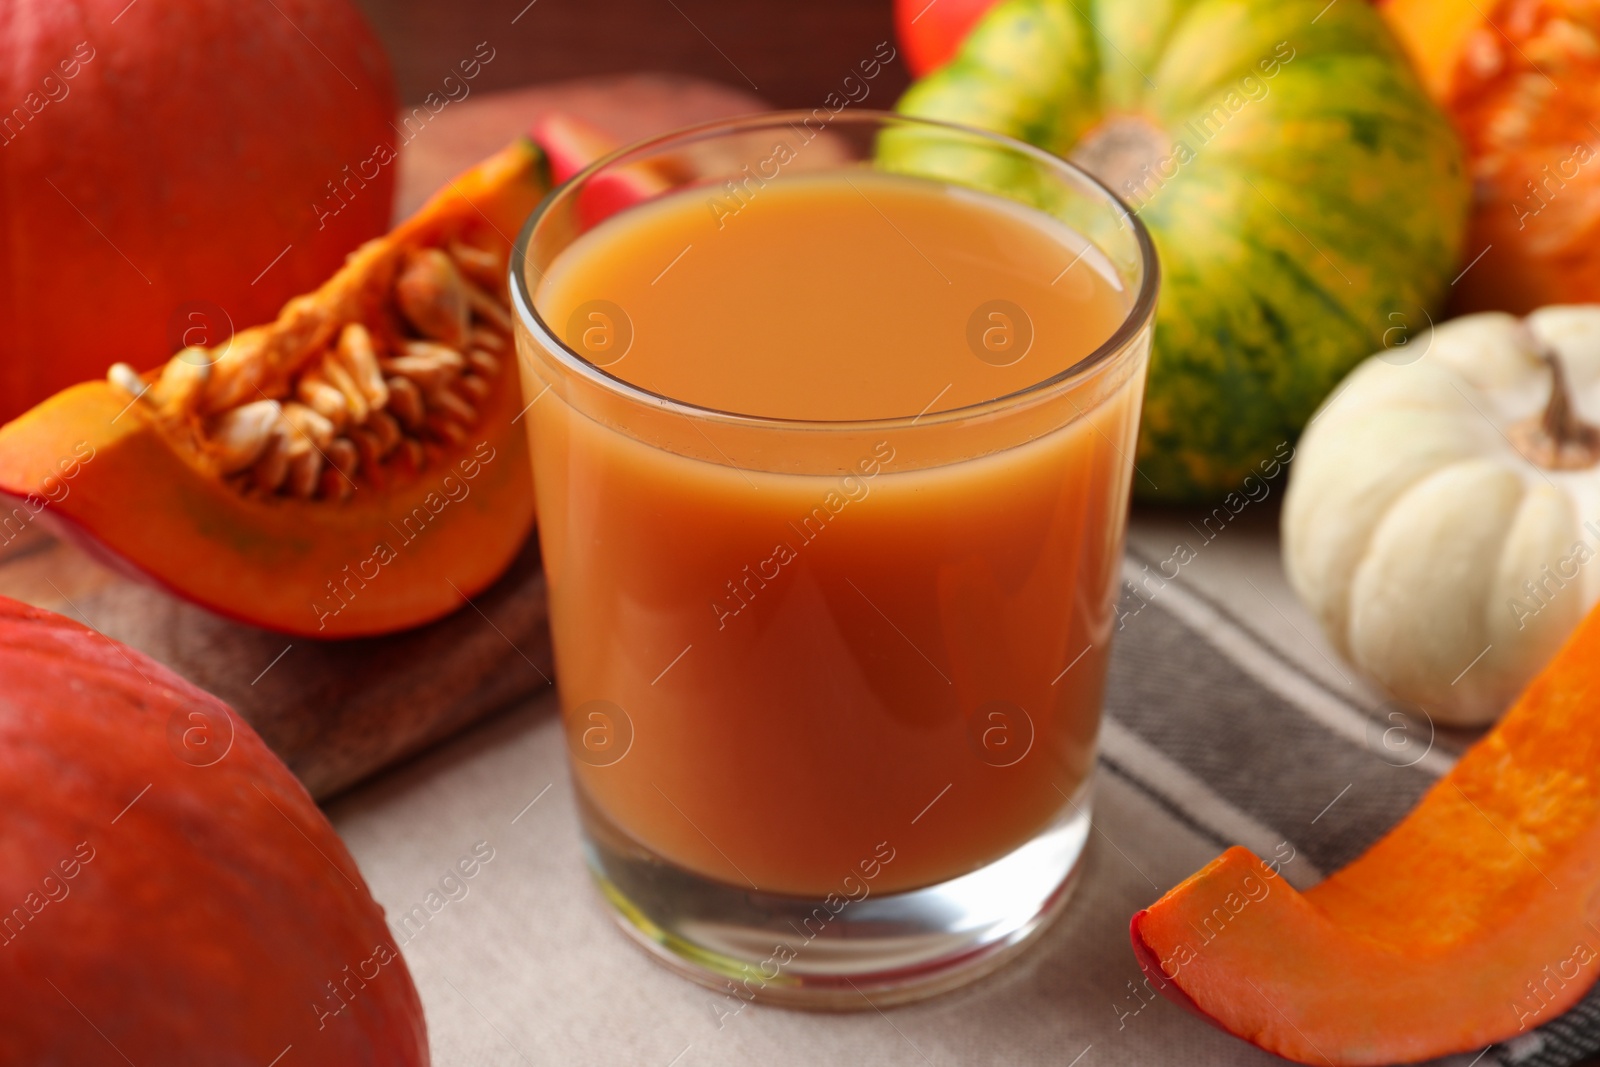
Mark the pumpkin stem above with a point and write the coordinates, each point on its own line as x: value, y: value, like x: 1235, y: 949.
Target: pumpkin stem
x: 1124, y: 152
x: 1559, y: 439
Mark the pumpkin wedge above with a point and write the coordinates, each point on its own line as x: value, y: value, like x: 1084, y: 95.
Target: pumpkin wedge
x: 350, y: 468
x: 1475, y: 919
x: 571, y: 144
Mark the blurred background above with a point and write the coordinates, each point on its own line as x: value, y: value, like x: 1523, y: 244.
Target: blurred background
x: 791, y: 54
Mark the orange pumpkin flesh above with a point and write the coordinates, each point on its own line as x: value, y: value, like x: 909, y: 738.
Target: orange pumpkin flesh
x: 168, y: 891
x: 407, y: 545
x: 1521, y: 81
x: 1473, y: 920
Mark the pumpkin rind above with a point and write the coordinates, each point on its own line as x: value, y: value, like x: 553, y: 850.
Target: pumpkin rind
x: 159, y: 181
x: 1472, y: 921
x: 182, y: 899
x: 1328, y: 201
x: 394, y: 555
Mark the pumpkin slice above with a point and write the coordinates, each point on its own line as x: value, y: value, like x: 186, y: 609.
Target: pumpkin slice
x: 1475, y: 919
x: 352, y: 468
x: 571, y: 144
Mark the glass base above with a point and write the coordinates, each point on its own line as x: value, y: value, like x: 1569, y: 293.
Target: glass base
x: 798, y: 952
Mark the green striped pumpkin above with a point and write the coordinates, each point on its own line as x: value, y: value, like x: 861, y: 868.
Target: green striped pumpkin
x: 1305, y: 197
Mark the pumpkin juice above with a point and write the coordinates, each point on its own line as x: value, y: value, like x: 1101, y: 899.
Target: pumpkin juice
x: 824, y: 613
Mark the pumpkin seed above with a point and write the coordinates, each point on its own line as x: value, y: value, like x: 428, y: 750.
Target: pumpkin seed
x: 387, y: 431
x: 238, y: 374
x: 342, y: 456
x: 125, y: 378
x: 270, y: 471
x: 315, y: 392
x: 333, y: 485
x: 358, y: 357
x: 432, y: 296
x: 446, y: 430
x: 430, y: 365
x: 410, y: 453
x: 487, y: 339
x: 356, y: 400
x: 309, y: 423
x: 238, y: 437
x: 183, y: 377
x: 447, y: 401
x: 488, y: 307
x: 405, y: 401
x: 482, y: 266
x: 305, y: 473
x: 484, y: 363
x: 366, y: 448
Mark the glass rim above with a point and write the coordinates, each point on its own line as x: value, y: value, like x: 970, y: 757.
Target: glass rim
x: 1140, y: 311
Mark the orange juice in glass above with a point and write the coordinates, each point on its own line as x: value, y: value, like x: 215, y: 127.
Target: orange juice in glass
x: 833, y: 439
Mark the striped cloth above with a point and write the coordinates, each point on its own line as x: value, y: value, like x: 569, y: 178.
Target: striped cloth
x: 1228, y: 722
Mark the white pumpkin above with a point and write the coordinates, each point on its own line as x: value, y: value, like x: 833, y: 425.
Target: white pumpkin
x: 1442, y: 520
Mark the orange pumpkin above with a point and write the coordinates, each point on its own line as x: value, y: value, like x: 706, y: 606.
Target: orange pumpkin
x: 1521, y: 80
x: 171, y: 169
x: 168, y: 891
x: 1472, y: 921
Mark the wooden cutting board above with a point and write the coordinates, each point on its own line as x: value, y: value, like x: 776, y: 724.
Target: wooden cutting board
x: 336, y: 711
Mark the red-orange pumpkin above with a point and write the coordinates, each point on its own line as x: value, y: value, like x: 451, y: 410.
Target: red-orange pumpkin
x: 171, y: 165
x: 168, y: 891
x: 1521, y: 80
x: 931, y: 31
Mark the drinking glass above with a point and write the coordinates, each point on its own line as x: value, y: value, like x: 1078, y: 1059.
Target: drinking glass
x: 831, y: 690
